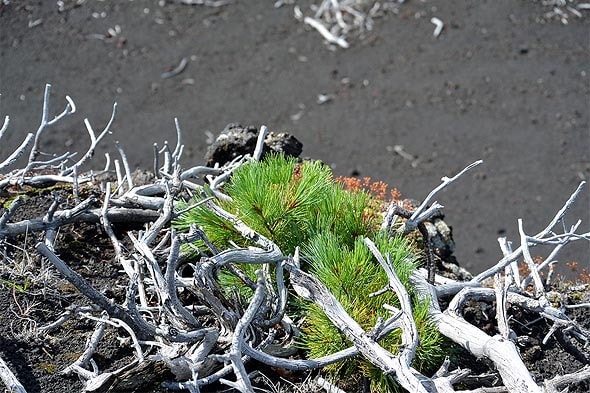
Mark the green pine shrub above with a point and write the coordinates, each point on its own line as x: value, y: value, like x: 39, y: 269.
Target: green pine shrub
x: 301, y: 205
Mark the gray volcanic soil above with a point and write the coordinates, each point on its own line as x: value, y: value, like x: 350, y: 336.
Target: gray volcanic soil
x: 500, y: 84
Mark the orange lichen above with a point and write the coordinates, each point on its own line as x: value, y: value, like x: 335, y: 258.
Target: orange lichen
x: 377, y: 189
x: 583, y: 275
x: 524, y: 270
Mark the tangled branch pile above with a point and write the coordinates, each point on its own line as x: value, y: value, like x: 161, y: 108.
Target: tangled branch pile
x: 248, y: 262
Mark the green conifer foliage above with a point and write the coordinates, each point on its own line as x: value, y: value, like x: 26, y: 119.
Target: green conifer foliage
x: 300, y: 205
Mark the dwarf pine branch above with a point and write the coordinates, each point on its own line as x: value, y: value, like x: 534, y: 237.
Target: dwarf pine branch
x: 300, y: 205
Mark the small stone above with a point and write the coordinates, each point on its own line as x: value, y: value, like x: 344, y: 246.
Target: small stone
x: 236, y: 140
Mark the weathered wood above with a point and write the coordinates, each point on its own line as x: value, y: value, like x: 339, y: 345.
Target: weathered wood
x: 10, y: 381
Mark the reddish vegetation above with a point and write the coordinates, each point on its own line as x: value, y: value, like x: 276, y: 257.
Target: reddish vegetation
x: 377, y: 189
x: 583, y: 274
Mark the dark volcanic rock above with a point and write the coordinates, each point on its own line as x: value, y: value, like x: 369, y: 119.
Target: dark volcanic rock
x: 236, y: 140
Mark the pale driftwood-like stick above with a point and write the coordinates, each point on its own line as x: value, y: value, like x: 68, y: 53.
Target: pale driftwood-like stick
x: 167, y: 165
x: 518, y: 252
x: 338, y: 18
x: 524, y: 245
x: 76, y: 186
x: 300, y: 364
x: 377, y: 333
x: 542, y: 308
x: 14, y: 205
x: 281, y: 305
x: 551, y: 257
x: 242, y: 382
x: 67, y: 315
x: 177, y: 70
x: 88, y: 290
x: 4, y: 126
x: 501, y: 291
x: 424, y: 206
x: 101, y: 382
x: 410, y: 334
x: 10, y: 380
x: 91, y: 347
x: 69, y: 109
x: 150, y: 262
x: 63, y: 217
x: 439, y: 25
x: 444, y: 380
x: 106, y: 224
x: 192, y: 385
x: 331, y: 38
x: 118, y: 323
x: 219, y: 180
x: 207, y: 3
x: 404, y: 373
x: 146, y: 196
x: 39, y: 165
x: 556, y: 384
x: 260, y: 143
x: 156, y: 166
x: 53, y: 219
x: 40, y: 181
x: 120, y: 188
x: 18, y: 152
x: 170, y: 280
x: 94, y: 141
x: 177, y: 153
x: 107, y: 165
x: 199, y: 171
x: 506, y: 247
x: 166, y: 214
x: 502, y: 352
x: 269, y: 253
x: 126, y: 166
x: 415, y: 219
x: 148, y: 331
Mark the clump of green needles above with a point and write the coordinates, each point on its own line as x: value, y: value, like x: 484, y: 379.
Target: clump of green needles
x: 300, y: 205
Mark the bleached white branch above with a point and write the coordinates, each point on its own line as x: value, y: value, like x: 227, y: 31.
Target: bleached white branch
x: 45, y: 122
x: 91, y: 347
x: 9, y: 379
x: 243, y: 383
x: 524, y: 244
x: 18, y: 152
x: 331, y: 38
x: 4, y: 126
x: 446, y: 181
x: 513, y: 256
x: 94, y: 141
x: 502, y: 352
x: 260, y: 143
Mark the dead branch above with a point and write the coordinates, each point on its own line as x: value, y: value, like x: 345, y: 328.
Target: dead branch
x: 45, y: 122
x: 540, y: 237
x: 84, y: 287
x: 94, y: 141
x: 9, y: 379
x: 78, y: 214
x: 502, y: 352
